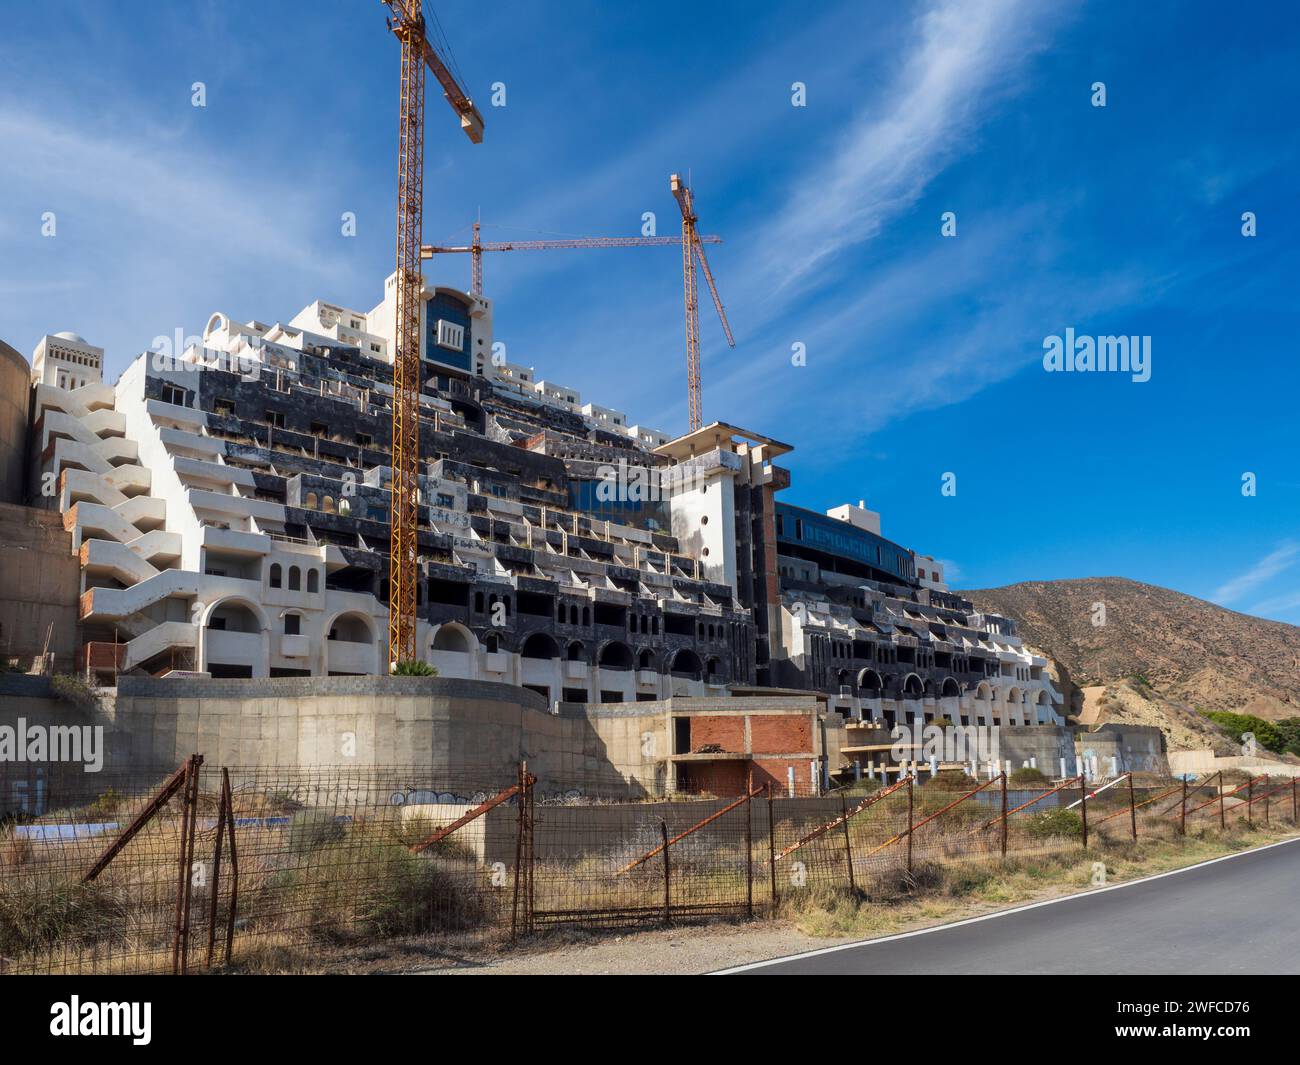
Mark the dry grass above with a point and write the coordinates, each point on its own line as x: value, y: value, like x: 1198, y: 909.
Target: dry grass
x: 937, y: 892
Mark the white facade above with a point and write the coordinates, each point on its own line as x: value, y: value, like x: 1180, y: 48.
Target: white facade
x: 66, y: 360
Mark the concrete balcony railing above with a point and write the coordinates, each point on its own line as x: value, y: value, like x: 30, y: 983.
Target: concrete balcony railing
x: 295, y: 646
x: 575, y: 670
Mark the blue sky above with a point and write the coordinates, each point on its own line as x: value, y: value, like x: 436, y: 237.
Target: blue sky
x: 924, y: 353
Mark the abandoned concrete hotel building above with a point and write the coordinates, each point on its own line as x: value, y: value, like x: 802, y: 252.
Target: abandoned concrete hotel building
x: 229, y: 509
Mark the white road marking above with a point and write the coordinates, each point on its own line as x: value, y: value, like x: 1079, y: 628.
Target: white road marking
x: 999, y: 913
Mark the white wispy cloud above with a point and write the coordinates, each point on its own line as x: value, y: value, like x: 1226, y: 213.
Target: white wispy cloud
x: 1277, y: 561
x: 964, y: 57
x: 155, y: 229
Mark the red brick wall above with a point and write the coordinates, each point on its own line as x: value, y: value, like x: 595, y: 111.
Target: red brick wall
x: 785, y: 734
x: 774, y: 772
x: 726, y: 730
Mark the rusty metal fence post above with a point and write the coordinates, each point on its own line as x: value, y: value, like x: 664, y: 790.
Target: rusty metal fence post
x: 216, y: 875
x: 1132, y: 808
x: 848, y: 843
x: 1004, y: 814
x: 520, y: 912
x: 185, y: 867
x: 749, y: 853
x: 1250, y: 802
x: 771, y: 847
x: 668, y: 904
x: 1182, y: 817
x: 1293, y: 801
x: 1223, y: 816
x: 228, y: 801
x: 911, y: 807
x: 1083, y: 807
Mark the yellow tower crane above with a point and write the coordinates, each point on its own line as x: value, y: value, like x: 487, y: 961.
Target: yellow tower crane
x: 692, y: 249
x: 408, y: 24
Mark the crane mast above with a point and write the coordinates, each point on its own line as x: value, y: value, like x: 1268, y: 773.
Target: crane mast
x: 693, y: 249
x: 407, y: 24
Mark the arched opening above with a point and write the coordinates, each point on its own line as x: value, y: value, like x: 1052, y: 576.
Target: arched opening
x: 233, y: 616
x: 646, y: 659
x: 686, y: 663
x: 712, y: 667
x: 984, y: 691
x: 328, y: 505
x: 351, y: 628
x: 573, y: 615
x: 575, y: 651
x: 950, y: 688
x: 234, y: 639
x: 870, y: 683
x: 276, y: 575
x: 452, y: 638
x: 310, y: 501
x: 491, y: 643
x: 539, y: 645
x: 615, y: 655
x: 313, y: 581
x: 912, y: 687
x: 295, y: 579
x: 1015, y: 696
x: 293, y: 624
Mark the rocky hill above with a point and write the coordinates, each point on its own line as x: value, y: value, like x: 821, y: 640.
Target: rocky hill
x: 1193, y: 653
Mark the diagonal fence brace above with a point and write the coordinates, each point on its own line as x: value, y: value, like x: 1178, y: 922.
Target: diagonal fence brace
x: 694, y: 828
x: 169, y: 788
x: 926, y: 820
x: 474, y: 814
x: 818, y: 832
x: 1072, y: 782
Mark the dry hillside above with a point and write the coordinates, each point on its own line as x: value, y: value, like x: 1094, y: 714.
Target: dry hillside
x: 1192, y: 652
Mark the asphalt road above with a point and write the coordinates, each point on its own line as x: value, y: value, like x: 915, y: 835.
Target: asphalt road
x: 1233, y: 915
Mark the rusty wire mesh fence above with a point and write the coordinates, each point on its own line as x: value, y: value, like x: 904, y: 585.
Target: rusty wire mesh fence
x: 199, y: 867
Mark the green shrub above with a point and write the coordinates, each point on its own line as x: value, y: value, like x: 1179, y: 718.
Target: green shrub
x: 1027, y: 774
x: 74, y: 690
x: 310, y: 829
x: 105, y: 805
x: 1059, y: 822
x: 414, y: 667
x: 1236, y: 725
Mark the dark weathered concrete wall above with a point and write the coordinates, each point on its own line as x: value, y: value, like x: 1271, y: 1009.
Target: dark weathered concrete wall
x: 40, y: 579
x: 15, y: 391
